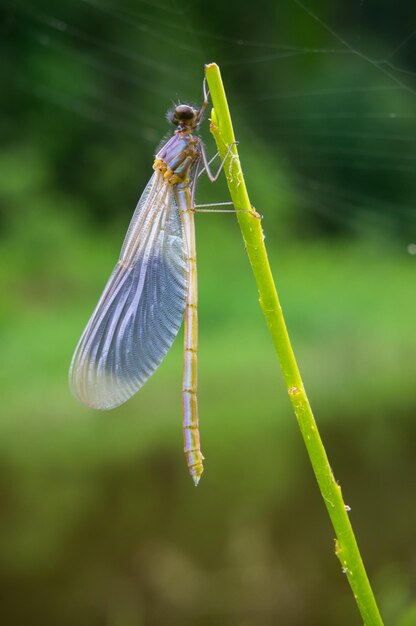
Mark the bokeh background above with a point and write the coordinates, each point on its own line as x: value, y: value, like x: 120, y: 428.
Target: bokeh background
x: 99, y: 521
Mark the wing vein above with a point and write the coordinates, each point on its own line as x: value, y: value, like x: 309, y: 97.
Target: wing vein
x: 141, y: 308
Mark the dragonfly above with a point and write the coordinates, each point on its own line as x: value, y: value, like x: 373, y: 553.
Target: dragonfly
x: 152, y: 289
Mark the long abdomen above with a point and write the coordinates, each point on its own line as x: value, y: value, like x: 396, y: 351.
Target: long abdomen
x: 192, y: 448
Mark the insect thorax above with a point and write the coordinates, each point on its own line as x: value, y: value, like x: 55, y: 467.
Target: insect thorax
x: 177, y: 158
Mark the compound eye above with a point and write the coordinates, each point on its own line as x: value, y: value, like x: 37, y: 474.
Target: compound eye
x: 184, y: 113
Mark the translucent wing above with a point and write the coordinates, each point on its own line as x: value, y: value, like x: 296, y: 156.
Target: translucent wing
x: 141, y: 309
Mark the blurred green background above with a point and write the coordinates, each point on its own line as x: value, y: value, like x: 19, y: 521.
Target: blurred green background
x: 99, y: 521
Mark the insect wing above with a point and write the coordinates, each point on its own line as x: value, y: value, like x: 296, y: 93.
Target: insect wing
x: 141, y: 309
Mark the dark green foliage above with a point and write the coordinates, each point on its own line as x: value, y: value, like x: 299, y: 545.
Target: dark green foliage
x: 99, y: 522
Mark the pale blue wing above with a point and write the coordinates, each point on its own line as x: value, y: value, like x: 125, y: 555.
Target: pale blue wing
x: 141, y: 309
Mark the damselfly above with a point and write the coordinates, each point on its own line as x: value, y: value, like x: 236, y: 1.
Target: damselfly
x: 152, y: 288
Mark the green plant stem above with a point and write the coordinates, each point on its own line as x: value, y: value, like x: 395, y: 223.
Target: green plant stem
x: 346, y: 547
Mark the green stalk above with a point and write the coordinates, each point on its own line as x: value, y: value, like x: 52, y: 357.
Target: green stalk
x: 346, y: 547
